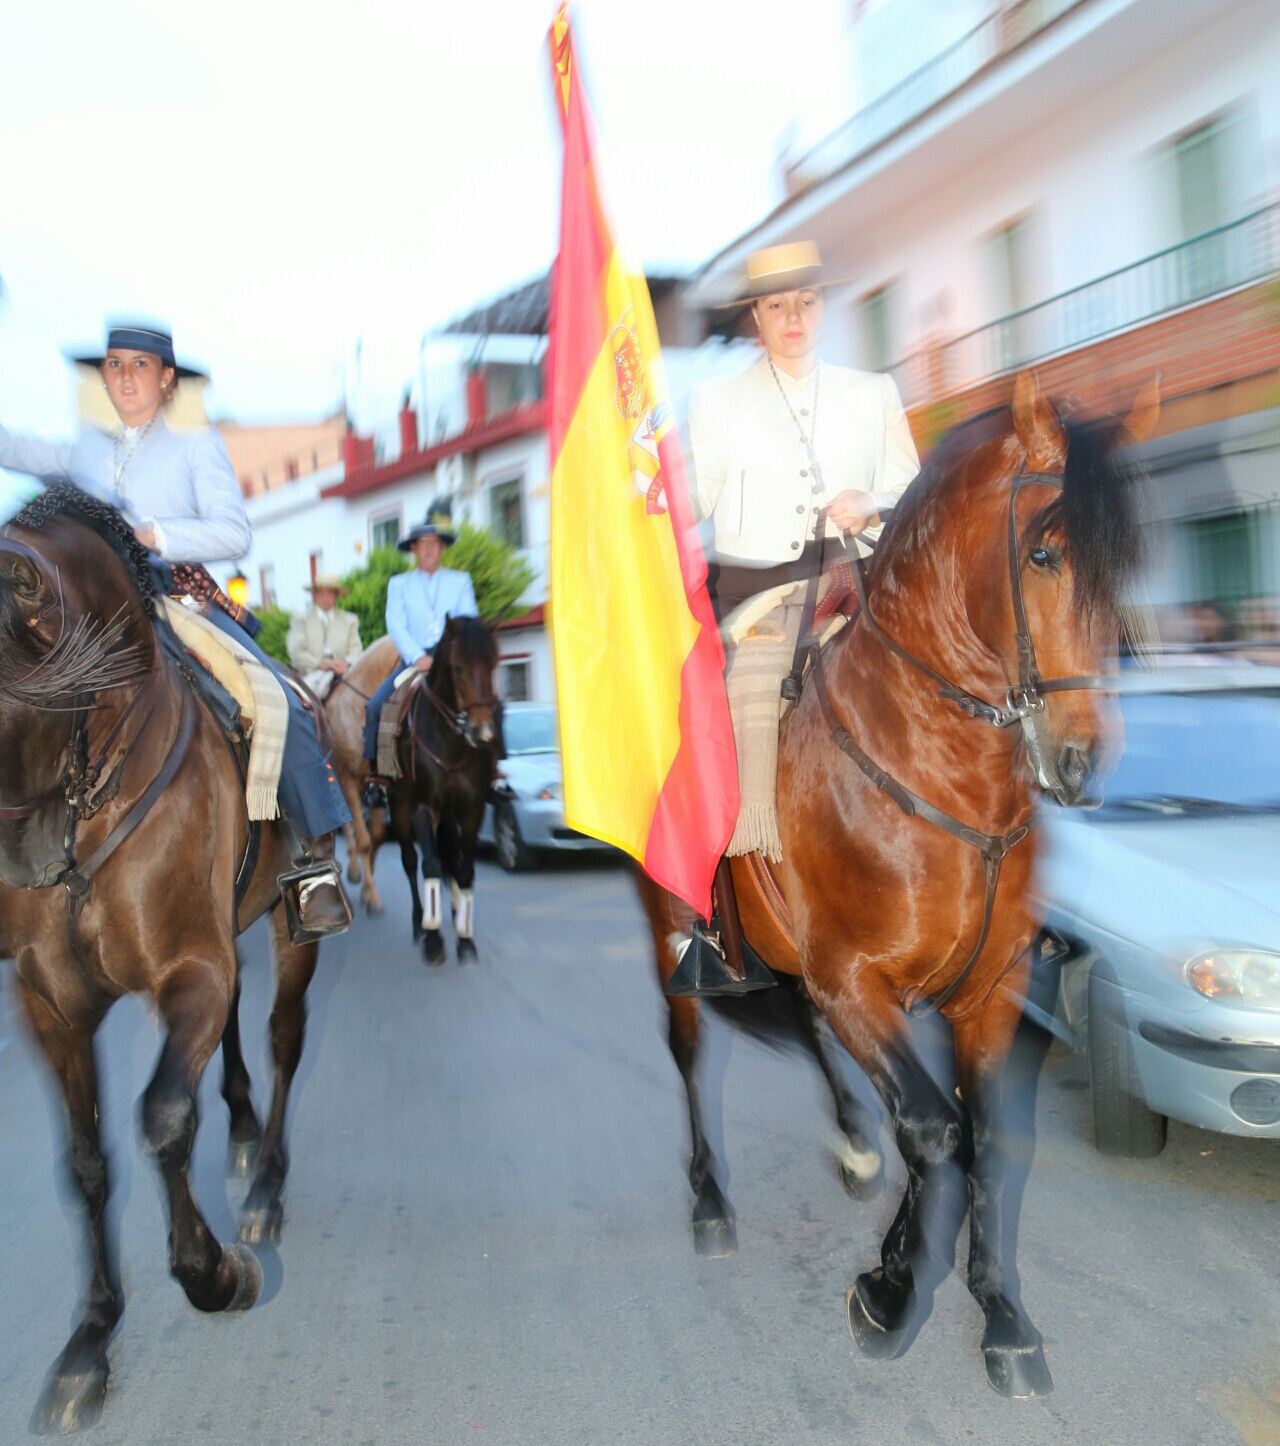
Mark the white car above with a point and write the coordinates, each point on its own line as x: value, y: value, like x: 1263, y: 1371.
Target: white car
x: 1168, y: 901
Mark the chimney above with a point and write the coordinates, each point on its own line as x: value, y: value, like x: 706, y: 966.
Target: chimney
x: 357, y: 452
x: 475, y: 397
x: 408, y: 430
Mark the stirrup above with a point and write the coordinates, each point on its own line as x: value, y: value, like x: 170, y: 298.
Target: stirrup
x: 374, y: 793
x: 702, y: 973
x: 314, y: 902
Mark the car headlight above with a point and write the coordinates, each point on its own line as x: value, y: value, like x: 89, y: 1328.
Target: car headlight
x: 552, y: 791
x: 1238, y: 976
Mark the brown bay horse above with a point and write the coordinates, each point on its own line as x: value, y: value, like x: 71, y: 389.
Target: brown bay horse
x: 345, y: 707
x: 110, y: 763
x: 972, y: 676
x: 447, y: 755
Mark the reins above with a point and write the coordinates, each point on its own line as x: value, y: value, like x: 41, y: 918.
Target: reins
x: 456, y: 720
x: 1024, y: 704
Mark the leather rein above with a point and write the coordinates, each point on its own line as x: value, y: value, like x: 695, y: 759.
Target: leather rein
x: 1024, y: 704
x: 456, y: 720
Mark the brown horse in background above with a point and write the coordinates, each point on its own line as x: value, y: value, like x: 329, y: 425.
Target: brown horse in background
x: 345, y: 707
x: 906, y: 823
x: 108, y: 762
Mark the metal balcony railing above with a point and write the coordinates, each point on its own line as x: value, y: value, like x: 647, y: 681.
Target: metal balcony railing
x: 1231, y: 256
x: 1004, y: 30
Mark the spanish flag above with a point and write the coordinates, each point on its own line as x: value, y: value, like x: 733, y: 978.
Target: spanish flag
x: 649, y: 762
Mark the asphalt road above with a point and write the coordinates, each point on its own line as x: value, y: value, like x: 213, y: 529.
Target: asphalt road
x: 487, y: 1232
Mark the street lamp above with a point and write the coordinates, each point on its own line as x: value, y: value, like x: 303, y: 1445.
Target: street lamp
x: 238, y: 589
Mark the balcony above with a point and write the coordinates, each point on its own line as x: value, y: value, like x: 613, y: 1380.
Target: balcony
x: 1227, y: 260
x: 1009, y: 27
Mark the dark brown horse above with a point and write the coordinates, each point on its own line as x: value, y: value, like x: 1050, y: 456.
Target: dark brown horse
x: 907, y: 773
x: 109, y: 763
x: 448, y: 760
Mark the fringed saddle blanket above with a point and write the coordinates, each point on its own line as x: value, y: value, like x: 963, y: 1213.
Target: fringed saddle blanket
x: 391, y: 723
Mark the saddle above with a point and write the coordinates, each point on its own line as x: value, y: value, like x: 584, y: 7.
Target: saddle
x: 763, y: 912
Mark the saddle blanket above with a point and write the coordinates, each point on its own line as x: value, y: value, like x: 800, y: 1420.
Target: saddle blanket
x: 391, y: 721
x: 258, y: 692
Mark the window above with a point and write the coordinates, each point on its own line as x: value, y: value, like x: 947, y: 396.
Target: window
x: 1010, y: 267
x: 875, y: 326
x: 267, y: 583
x: 1199, y: 161
x: 384, y: 531
x: 513, y: 680
x: 506, y: 511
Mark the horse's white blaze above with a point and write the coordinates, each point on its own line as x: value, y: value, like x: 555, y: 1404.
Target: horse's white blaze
x: 431, y: 915
x: 463, y: 904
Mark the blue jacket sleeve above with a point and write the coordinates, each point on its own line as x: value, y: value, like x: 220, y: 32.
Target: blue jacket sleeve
x: 466, y: 604
x: 50, y: 461
x: 221, y: 532
x: 398, y: 620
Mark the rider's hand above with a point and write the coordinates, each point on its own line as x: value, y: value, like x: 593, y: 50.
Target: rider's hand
x: 146, y: 536
x: 853, y: 511
x: 335, y: 665
x: 423, y: 664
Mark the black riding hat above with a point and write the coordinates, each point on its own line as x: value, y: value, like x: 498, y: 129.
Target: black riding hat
x: 133, y: 336
x: 435, y: 524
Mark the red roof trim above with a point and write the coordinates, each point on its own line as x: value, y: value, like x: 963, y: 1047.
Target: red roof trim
x: 536, y: 617
x: 519, y: 422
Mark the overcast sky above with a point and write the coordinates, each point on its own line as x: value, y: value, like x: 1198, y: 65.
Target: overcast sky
x: 277, y: 180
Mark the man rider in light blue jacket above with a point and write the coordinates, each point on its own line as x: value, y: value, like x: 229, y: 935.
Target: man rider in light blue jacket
x: 419, y: 603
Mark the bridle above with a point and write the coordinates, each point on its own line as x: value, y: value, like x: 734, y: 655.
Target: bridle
x: 1024, y: 704
x: 457, y: 721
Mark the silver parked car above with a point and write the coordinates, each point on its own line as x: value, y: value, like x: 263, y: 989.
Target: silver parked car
x: 1167, y: 900
x: 526, y: 815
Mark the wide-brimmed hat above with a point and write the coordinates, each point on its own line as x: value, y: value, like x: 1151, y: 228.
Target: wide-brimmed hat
x: 325, y: 580
x: 795, y: 266
x: 437, y: 523
x: 133, y: 336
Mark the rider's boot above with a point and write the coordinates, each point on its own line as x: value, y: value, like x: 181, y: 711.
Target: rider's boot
x: 374, y: 794
x: 716, y: 959
x: 314, y: 902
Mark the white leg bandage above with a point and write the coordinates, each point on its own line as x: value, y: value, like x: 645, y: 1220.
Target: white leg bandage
x: 431, y: 915
x: 463, y: 903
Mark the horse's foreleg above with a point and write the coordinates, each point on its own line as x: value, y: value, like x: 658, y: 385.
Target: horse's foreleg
x: 354, y: 872
x: 295, y: 964
x: 860, y: 1162
x: 461, y: 869
x: 77, y: 1381
x: 245, y: 1134
x: 930, y: 1134
x: 715, y: 1232
x: 432, y: 912
x: 193, y: 1000
x: 402, y: 832
x: 1011, y: 1345
x: 360, y: 861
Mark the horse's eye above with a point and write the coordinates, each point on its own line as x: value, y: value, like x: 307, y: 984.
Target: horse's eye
x: 1044, y: 557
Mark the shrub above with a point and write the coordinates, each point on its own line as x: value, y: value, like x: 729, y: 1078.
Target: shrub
x: 275, y: 627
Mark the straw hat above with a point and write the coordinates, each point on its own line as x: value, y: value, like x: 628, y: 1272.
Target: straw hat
x: 795, y: 266
x: 324, y: 580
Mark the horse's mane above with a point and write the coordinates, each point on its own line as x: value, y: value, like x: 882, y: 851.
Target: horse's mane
x: 477, y: 644
x: 64, y: 499
x: 1097, y: 513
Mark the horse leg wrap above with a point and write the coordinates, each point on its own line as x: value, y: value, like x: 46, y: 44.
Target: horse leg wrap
x: 431, y: 915
x: 463, y: 903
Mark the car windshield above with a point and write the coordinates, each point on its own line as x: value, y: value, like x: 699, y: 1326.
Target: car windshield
x: 1197, y: 754
x: 530, y: 730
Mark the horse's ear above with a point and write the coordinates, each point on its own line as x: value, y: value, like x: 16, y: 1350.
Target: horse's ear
x: 1037, y: 425
x: 1145, y: 412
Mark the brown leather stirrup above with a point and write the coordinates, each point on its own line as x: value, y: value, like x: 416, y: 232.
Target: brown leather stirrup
x: 719, y: 961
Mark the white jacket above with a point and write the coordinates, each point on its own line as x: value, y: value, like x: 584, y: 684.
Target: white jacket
x: 752, y: 469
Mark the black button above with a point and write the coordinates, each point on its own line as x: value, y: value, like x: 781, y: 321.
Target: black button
x: 795, y: 547
x: 804, y: 471
x: 799, y: 509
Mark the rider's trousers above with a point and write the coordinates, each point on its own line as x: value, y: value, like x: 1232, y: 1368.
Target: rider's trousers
x: 373, y: 711
x: 308, y: 792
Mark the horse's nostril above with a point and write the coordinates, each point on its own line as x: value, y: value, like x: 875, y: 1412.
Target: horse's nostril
x: 1073, y: 765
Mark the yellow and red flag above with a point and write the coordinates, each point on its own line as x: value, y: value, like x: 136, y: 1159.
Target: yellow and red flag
x: 649, y: 762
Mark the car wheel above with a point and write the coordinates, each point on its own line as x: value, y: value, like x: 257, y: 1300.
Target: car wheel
x: 513, y: 854
x: 1122, y: 1123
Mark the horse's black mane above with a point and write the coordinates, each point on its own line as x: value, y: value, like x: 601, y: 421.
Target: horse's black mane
x: 1097, y: 514
x: 477, y: 644
x: 64, y: 499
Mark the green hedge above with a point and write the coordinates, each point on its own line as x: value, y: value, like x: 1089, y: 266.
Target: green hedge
x: 275, y: 627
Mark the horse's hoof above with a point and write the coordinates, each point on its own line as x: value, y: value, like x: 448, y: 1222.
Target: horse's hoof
x: 876, y: 1340
x: 354, y: 871
x: 373, y: 907
x: 714, y: 1239
x: 433, y: 947
x: 261, y: 1223
x: 467, y: 952
x: 249, y: 1287
x: 1018, y: 1373
x: 72, y: 1398
x: 858, y: 1188
x: 242, y: 1156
